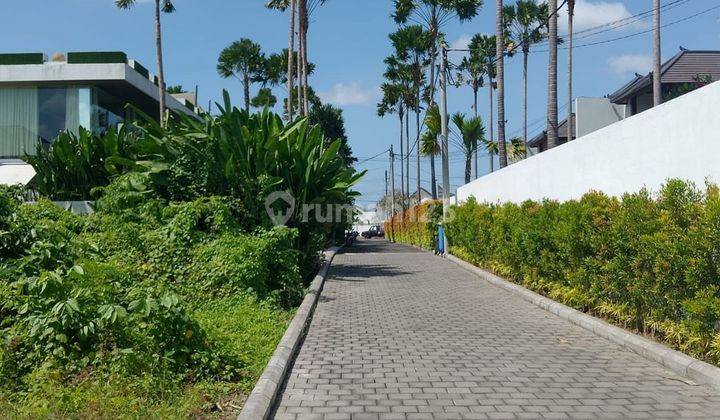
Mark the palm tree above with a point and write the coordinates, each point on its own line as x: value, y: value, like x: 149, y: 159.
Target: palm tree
x: 485, y: 46
x: 552, y: 105
x: 571, y: 14
x: 430, y: 146
x: 245, y: 61
x: 492, y: 149
x: 471, y: 132
x: 524, y: 21
x: 392, y: 103
x: 433, y: 15
x: 472, y: 70
x: 165, y: 6
x: 402, y: 74
x: 657, y: 76
x: 282, y: 5
x: 500, y: 64
x: 411, y: 44
x: 517, y: 149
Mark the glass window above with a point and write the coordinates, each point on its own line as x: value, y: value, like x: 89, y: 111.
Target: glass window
x: 52, y: 103
x: 18, y: 121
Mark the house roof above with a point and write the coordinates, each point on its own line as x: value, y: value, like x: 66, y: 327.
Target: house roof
x: 562, y: 133
x: 682, y: 68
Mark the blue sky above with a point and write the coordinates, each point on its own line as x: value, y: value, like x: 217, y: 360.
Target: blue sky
x: 348, y: 42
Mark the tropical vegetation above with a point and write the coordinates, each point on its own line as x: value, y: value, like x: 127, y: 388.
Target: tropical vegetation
x: 170, y: 297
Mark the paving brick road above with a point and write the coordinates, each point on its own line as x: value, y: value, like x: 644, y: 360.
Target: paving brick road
x: 401, y: 334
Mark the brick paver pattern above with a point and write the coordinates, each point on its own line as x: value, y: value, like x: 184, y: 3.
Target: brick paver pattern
x: 401, y: 334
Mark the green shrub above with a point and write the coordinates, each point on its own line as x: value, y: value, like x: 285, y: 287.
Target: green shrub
x: 649, y: 263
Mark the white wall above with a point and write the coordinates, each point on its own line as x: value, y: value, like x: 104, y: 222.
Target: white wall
x: 592, y: 114
x: 679, y: 139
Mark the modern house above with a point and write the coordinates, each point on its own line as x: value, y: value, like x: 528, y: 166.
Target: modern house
x: 685, y: 72
x: 41, y: 98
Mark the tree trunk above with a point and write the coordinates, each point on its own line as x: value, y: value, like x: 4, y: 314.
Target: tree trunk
x: 161, y: 71
x: 246, y: 91
x: 417, y: 149
x: 299, y: 59
x: 306, y: 24
x: 570, y: 124
x: 526, y: 52
x: 468, y: 166
x: 492, y: 128
x: 475, y: 106
x: 402, y: 156
x: 657, y: 76
x: 552, y: 105
x: 291, y: 61
x: 407, y: 150
x: 433, y: 182
x: 500, y: 77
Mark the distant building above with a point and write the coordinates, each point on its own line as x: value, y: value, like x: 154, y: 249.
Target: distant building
x: 686, y: 71
x: 40, y: 98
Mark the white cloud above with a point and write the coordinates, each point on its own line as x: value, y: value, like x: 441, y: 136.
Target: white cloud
x: 630, y: 63
x: 462, y: 42
x: 589, y: 14
x: 348, y: 94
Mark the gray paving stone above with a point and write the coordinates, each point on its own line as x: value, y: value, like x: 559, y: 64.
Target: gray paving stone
x: 401, y: 334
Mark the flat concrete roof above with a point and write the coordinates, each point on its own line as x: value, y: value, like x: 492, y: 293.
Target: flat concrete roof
x: 53, y: 73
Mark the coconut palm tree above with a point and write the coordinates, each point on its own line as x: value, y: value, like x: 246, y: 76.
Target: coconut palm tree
x: 552, y: 105
x: 430, y: 146
x: 245, y: 61
x: 161, y: 6
x: 525, y: 20
x: 657, y: 76
x: 571, y: 15
x: 471, y: 132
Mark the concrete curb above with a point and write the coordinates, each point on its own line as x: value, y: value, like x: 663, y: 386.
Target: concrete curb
x: 680, y: 363
x: 260, y: 401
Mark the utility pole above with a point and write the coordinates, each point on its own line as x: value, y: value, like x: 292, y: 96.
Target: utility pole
x: 386, y: 183
x: 392, y: 198
x: 657, y: 83
x: 444, y: 140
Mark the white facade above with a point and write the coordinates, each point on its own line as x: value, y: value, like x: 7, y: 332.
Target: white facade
x: 679, y: 139
x: 592, y: 114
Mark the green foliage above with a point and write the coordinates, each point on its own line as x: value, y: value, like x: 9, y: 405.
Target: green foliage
x: 644, y: 262
x: 70, y: 167
x: 179, y: 246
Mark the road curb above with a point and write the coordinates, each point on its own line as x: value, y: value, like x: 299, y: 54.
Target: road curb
x: 260, y: 401
x: 680, y: 363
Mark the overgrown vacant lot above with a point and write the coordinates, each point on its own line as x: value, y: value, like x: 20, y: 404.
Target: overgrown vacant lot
x: 168, y: 300
x: 148, y: 310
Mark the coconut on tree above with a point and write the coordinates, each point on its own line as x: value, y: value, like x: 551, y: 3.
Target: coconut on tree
x: 161, y: 6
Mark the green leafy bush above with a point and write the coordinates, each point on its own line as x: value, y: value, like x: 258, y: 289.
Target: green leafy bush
x: 644, y: 262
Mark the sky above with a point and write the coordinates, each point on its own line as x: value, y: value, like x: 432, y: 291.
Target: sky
x: 348, y: 41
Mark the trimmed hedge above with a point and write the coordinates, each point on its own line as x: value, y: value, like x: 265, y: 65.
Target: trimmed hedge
x: 644, y: 262
x: 416, y: 226
x: 93, y: 57
x: 21, y: 58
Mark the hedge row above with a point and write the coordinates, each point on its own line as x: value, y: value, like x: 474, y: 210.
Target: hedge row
x: 649, y: 263
x: 416, y: 226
